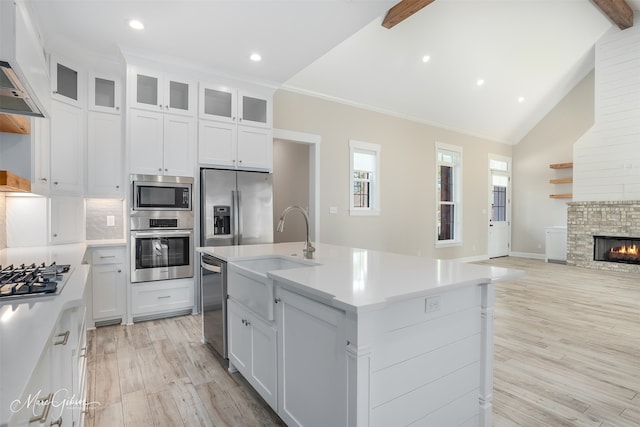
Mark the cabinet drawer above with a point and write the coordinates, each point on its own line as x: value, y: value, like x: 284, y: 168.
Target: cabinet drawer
x: 162, y: 296
x: 107, y: 256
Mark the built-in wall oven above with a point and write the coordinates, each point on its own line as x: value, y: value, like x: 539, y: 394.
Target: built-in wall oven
x: 161, y: 222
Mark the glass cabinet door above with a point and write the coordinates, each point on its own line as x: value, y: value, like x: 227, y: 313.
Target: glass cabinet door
x: 147, y: 91
x: 218, y: 103
x: 65, y: 82
x: 104, y: 94
x: 255, y: 110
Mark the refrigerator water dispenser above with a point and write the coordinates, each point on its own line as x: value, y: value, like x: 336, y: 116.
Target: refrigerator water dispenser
x: 221, y: 220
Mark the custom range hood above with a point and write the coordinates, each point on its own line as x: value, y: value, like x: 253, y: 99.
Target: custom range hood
x: 24, y: 81
x: 14, y: 98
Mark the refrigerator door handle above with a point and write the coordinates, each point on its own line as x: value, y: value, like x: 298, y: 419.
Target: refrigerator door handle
x: 239, y: 216
x: 234, y: 214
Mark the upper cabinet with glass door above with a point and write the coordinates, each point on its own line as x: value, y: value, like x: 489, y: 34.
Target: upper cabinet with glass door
x: 67, y: 82
x: 158, y: 92
x: 104, y: 93
x: 231, y: 105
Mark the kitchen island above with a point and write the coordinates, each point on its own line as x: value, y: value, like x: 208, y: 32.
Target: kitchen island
x: 362, y: 338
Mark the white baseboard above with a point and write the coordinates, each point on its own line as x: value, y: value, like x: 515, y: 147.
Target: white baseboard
x: 527, y: 255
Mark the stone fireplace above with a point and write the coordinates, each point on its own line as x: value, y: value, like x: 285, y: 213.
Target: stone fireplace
x: 618, y: 221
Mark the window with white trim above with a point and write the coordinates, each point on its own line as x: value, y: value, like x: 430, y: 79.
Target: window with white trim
x: 448, y: 194
x: 364, y: 173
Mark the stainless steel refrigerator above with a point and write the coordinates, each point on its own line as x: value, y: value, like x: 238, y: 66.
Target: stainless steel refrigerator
x: 236, y: 208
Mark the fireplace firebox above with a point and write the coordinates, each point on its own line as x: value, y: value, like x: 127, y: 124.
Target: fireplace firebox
x: 616, y: 249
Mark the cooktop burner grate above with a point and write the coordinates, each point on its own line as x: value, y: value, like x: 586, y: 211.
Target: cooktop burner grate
x: 30, y: 280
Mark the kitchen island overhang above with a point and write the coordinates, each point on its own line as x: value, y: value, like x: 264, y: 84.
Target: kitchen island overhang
x: 412, y: 337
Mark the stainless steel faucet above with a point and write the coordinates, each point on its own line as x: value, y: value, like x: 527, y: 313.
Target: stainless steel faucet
x: 308, y: 249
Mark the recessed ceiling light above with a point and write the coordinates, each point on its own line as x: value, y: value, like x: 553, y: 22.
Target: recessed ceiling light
x: 480, y: 82
x: 255, y: 57
x: 520, y: 99
x: 426, y: 58
x: 136, y: 25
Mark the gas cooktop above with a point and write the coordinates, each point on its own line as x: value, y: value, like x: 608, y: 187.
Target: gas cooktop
x: 31, y: 280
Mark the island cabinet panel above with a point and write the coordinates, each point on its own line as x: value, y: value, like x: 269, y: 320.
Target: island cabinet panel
x: 402, y: 344
x: 313, y: 364
x: 252, y: 350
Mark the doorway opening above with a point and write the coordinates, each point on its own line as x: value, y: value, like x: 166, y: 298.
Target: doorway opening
x: 296, y: 181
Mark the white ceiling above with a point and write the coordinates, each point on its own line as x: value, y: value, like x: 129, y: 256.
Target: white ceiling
x: 536, y: 49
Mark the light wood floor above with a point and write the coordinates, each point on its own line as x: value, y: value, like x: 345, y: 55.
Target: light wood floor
x: 567, y: 347
x: 567, y: 353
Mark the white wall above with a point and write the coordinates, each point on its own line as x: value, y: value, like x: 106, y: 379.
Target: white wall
x: 550, y: 141
x: 407, y: 222
x: 607, y: 159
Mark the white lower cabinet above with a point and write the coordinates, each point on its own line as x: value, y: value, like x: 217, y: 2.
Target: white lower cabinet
x: 108, y: 282
x: 56, y: 392
x: 253, y: 350
x: 312, y: 365
x: 161, y: 298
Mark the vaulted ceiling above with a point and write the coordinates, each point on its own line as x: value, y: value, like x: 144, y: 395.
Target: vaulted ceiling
x: 490, y: 68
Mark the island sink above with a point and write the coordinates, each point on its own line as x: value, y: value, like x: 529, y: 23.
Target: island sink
x: 262, y: 266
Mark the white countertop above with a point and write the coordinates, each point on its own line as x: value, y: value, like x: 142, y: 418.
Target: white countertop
x: 360, y: 279
x: 25, y: 324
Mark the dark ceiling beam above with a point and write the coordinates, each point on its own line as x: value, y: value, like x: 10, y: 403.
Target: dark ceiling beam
x: 402, y: 11
x: 618, y: 11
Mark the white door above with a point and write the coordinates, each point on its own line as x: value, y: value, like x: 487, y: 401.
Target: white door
x: 146, y: 142
x: 499, y: 214
x: 67, y: 149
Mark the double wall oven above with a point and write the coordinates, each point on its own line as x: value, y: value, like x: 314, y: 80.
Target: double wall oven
x: 161, y: 222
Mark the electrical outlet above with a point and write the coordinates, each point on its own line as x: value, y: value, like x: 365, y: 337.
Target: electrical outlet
x: 432, y: 304
x: 111, y: 221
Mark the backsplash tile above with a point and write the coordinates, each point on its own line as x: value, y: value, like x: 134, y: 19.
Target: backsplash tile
x: 97, y: 211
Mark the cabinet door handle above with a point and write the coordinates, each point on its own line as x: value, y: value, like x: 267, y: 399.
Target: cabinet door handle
x: 117, y: 186
x: 57, y: 422
x: 277, y: 300
x: 64, y: 336
x: 45, y: 412
x: 83, y: 352
x: 43, y: 179
x: 119, y: 271
x: 107, y: 256
x: 55, y: 182
x: 164, y: 297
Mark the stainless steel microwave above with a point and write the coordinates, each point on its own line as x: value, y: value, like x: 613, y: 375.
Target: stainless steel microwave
x: 161, y: 193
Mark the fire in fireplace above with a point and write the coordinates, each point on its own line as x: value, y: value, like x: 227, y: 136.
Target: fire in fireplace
x: 616, y: 249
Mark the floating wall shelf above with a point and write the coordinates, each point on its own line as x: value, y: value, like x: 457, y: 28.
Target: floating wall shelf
x: 565, y: 180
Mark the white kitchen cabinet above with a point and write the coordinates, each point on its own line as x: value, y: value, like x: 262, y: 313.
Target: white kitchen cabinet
x: 104, y: 155
x: 312, y: 366
x: 67, y: 149
x: 67, y: 220
x: 67, y: 82
x: 253, y: 350
x: 40, y: 146
x: 235, y: 128
x: 38, y: 391
x: 155, y: 91
x: 105, y: 92
x: 108, y: 282
x: 161, y: 144
x: 162, y: 298
x: 55, y: 391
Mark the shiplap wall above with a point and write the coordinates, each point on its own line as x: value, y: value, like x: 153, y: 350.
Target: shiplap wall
x: 607, y: 157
